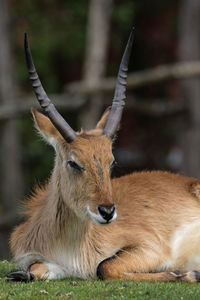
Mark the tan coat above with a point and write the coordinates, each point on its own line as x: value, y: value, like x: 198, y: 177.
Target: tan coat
x: 155, y: 230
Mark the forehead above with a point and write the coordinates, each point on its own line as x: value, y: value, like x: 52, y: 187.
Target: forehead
x: 87, y: 146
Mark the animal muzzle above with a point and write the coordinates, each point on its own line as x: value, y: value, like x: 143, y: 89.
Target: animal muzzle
x: 106, y: 213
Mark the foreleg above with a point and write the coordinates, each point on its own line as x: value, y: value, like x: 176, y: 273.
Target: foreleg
x: 38, y: 271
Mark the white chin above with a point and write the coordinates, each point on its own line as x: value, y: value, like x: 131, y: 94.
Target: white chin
x: 97, y: 218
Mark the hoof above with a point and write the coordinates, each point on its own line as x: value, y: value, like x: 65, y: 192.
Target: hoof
x: 191, y: 276
x: 20, y: 276
x: 195, y: 275
x: 177, y: 272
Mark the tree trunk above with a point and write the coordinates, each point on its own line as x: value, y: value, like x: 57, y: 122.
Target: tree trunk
x: 95, y: 61
x: 11, y: 176
x: 189, y: 30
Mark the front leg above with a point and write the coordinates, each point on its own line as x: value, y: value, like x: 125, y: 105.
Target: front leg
x: 38, y: 271
x: 44, y: 271
x: 139, y: 266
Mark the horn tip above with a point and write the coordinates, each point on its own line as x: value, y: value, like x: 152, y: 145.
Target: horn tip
x: 25, y: 40
x: 132, y: 33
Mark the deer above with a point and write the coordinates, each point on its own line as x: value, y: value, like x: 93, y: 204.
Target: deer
x: 144, y: 226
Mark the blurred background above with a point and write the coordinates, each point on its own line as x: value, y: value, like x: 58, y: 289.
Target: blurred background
x: 77, y: 47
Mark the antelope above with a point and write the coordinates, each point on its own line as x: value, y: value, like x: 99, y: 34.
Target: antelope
x: 141, y: 227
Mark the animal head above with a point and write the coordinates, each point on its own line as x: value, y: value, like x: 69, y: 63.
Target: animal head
x: 83, y: 159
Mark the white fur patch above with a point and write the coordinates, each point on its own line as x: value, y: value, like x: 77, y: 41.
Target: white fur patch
x: 55, y: 272
x: 49, y: 139
x: 186, y: 246
x: 73, y: 261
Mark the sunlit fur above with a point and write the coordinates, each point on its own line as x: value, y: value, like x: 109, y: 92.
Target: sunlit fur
x: 157, y: 225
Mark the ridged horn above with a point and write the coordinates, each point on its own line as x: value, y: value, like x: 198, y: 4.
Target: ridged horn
x: 48, y: 107
x: 120, y: 92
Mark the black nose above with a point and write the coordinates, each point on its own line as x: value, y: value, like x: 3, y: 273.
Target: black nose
x: 106, y: 212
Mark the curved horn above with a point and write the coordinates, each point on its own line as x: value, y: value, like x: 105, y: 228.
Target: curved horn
x: 65, y: 130
x: 120, y: 92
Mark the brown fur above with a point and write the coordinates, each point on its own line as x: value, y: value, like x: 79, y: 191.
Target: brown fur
x: 143, y: 243
x: 39, y: 270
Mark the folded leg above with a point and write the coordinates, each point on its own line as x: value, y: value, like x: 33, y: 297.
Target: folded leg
x: 140, y: 266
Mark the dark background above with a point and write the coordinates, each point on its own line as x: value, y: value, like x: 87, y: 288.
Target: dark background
x: 75, y: 45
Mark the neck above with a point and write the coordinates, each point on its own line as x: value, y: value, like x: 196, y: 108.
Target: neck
x: 74, y: 243
x: 64, y: 220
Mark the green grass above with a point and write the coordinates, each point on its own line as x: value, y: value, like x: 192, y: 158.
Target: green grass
x: 97, y: 290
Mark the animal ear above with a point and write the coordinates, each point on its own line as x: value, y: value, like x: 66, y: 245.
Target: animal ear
x: 102, y: 122
x: 45, y: 127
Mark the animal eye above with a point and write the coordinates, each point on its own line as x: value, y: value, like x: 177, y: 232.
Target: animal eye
x: 74, y: 165
x: 113, y: 164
